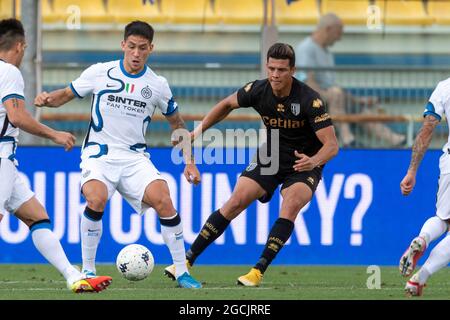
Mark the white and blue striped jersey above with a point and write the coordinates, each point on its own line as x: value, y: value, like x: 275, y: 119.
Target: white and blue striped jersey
x: 439, y: 105
x: 122, y: 107
x: 11, y: 86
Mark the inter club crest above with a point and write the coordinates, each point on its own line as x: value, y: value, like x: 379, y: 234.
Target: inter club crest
x: 146, y: 92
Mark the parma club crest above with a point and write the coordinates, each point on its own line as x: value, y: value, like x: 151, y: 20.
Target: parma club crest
x: 295, y: 108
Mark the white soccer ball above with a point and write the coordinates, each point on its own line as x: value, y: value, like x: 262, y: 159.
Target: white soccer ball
x: 135, y: 262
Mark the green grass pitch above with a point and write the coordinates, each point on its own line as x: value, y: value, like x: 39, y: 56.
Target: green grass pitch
x: 43, y: 282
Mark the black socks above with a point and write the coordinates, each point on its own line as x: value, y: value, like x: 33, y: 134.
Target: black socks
x: 211, y: 230
x: 279, y: 234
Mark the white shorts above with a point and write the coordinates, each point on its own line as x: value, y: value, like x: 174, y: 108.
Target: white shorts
x: 130, y: 177
x: 443, y: 197
x: 13, y: 190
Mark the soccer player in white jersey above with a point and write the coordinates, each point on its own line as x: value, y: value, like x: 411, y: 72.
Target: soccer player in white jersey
x: 126, y: 93
x: 434, y: 227
x: 15, y: 196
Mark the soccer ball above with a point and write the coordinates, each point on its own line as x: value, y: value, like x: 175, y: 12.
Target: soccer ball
x: 135, y: 262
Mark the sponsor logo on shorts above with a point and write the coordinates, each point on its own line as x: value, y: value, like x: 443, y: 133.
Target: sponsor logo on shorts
x: 310, y: 180
x: 86, y: 173
x: 251, y: 166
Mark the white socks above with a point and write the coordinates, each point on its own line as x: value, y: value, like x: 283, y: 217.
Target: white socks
x: 49, y: 246
x: 432, y: 229
x: 438, y: 259
x: 172, y: 233
x: 91, y: 232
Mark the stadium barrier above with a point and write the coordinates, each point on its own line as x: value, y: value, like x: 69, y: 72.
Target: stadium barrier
x: 402, y: 93
x: 350, y: 118
x: 356, y: 217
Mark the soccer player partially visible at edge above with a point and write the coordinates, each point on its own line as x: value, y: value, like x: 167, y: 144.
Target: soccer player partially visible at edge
x: 126, y: 93
x: 15, y: 195
x: 436, y: 226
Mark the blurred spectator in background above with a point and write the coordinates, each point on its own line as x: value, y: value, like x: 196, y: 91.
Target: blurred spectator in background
x: 313, y: 52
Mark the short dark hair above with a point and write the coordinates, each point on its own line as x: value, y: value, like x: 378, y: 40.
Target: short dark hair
x: 11, y: 31
x: 139, y: 28
x: 282, y: 51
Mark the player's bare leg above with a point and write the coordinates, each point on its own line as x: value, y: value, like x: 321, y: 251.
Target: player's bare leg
x: 295, y: 197
x: 245, y: 192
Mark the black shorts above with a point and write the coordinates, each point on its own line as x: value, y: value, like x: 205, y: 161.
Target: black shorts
x: 285, y: 177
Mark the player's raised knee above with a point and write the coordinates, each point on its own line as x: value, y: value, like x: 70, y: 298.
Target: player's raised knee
x: 233, y: 207
x: 96, y: 202
x: 163, y: 205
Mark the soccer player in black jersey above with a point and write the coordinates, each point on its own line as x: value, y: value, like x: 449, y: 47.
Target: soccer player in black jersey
x: 306, y: 142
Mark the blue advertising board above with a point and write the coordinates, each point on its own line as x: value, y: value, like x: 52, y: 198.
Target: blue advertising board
x: 356, y: 217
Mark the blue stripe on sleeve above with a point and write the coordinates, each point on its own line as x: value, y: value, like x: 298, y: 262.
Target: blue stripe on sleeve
x: 75, y: 91
x: 431, y: 113
x: 171, y: 112
x: 171, y: 108
x: 12, y: 96
x: 430, y: 110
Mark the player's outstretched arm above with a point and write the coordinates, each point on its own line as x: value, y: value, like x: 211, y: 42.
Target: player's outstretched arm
x: 419, y: 148
x: 219, y: 112
x: 182, y: 138
x: 329, y: 150
x: 55, y: 98
x: 19, y: 117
